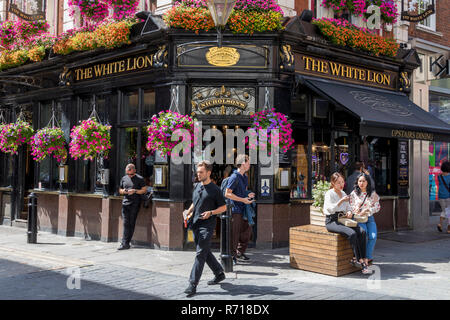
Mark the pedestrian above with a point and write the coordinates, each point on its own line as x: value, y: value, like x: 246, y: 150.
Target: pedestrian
x: 444, y: 195
x: 132, y: 186
x: 351, y: 179
x: 336, y: 203
x: 365, y: 201
x: 207, y: 202
x: 236, y: 191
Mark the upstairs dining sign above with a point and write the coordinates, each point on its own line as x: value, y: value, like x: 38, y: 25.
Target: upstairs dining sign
x: 309, y: 65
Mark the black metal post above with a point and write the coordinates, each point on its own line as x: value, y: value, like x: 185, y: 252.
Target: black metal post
x: 219, y: 37
x: 225, y: 240
x: 32, y: 218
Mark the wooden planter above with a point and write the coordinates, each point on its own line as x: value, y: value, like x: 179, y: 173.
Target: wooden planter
x: 313, y: 248
x: 316, y: 216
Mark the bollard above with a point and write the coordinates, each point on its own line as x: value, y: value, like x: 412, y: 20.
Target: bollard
x: 225, y: 240
x: 32, y: 218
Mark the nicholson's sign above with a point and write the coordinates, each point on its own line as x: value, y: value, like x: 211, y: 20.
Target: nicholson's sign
x: 309, y: 65
x: 29, y: 10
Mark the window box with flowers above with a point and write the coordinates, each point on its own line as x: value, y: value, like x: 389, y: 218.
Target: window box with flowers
x: 343, y: 33
x: 247, y: 16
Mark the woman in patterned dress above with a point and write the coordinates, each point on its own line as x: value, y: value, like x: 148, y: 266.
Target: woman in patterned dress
x: 365, y: 201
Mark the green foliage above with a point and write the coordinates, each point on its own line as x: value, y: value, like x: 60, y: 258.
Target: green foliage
x: 318, y: 193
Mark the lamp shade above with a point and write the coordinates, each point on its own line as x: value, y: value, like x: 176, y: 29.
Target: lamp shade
x: 220, y: 10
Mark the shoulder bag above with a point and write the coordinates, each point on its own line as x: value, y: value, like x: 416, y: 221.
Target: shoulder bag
x: 359, y: 218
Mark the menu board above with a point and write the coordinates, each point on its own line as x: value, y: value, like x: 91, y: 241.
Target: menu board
x: 403, y: 167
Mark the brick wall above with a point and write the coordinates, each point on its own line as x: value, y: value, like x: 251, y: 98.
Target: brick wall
x: 442, y: 26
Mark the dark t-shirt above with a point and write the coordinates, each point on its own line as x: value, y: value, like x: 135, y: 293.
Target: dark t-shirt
x: 238, y: 184
x: 205, y: 198
x: 137, y: 182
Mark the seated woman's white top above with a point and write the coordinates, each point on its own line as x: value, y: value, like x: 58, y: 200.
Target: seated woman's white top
x: 330, y: 205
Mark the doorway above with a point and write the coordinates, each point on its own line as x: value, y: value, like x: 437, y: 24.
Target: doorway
x: 222, y: 171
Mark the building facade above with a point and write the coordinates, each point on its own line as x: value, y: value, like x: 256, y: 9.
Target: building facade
x: 346, y: 106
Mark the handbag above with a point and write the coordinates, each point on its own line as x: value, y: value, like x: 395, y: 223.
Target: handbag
x: 346, y: 221
x: 361, y: 218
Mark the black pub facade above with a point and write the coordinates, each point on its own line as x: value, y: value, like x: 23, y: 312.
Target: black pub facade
x: 346, y: 106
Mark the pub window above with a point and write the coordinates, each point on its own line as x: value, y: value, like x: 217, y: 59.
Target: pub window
x: 383, y: 154
x: 299, y: 105
x: 48, y: 170
x: 148, y: 107
x: 6, y: 159
x: 300, y: 175
x: 129, y: 106
x: 133, y: 133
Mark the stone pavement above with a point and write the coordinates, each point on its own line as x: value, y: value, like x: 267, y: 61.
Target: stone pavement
x: 408, y: 265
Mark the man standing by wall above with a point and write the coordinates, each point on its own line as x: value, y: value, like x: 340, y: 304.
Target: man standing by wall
x: 237, y: 192
x: 132, y: 186
x: 207, y: 202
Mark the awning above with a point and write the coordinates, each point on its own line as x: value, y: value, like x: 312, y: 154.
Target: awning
x: 382, y: 113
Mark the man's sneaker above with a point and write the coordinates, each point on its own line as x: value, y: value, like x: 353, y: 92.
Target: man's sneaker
x: 243, y: 257
x: 190, y: 290
x: 124, y: 246
x: 234, y: 261
x: 217, y: 279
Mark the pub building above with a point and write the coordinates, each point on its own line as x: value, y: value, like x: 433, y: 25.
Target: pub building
x: 346, y: 106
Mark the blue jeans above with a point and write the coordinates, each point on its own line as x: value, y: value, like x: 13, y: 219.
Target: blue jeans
x: 370, y: 227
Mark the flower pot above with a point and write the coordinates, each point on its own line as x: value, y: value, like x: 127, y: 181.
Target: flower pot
x: 316, y: 216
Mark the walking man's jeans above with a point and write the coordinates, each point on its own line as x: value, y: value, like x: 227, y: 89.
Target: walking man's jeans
x: 202, y: 239
x: 370, y: 227
x: 129, y: 216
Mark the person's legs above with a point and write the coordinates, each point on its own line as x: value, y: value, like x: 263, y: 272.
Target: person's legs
x: 236, y: 222
x: 371, y: 234
x: 126, y: 217
x: 202, y: 238
x: 244, y: 237
x: 443, y: 204
x: 361, y: 242
x: 349, y: 233
x: 134, y: 210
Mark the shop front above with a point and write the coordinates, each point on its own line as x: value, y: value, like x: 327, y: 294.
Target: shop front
x: 346, y: 106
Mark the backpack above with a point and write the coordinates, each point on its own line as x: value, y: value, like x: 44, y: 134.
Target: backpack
x: 223, y: 189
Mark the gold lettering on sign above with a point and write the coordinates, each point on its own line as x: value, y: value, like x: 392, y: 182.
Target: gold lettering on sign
x: 223, y: 56
x: 345, y: 72
x: 110, y: 68
x: 412, y: 135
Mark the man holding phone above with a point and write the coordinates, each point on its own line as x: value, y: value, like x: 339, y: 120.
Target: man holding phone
x: 236, y: 191
x: 132, y: 186
x: 207, y: 203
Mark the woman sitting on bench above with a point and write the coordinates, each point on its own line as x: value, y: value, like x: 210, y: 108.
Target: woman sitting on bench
x: 337, y: 202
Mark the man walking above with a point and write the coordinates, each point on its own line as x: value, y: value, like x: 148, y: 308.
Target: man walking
x: 207, y: 202
x: 132, y: 186
x: 236, y: 191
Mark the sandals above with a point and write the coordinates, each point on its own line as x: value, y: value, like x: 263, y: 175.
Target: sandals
x: 365, y: 269
x: 355, y: 263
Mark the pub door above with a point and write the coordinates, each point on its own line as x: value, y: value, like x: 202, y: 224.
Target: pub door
x: 220, y: 172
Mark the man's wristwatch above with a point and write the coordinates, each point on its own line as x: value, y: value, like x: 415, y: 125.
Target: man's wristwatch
x: 126, y: 191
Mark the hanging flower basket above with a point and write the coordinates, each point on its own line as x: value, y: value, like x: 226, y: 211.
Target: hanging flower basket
x: 89, y: 139
x: 270, y: 120
x: 49, y: 141
x: 13, y: 135
x: 161, y: 128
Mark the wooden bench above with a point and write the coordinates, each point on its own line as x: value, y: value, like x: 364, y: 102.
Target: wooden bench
x: 313, y: 248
